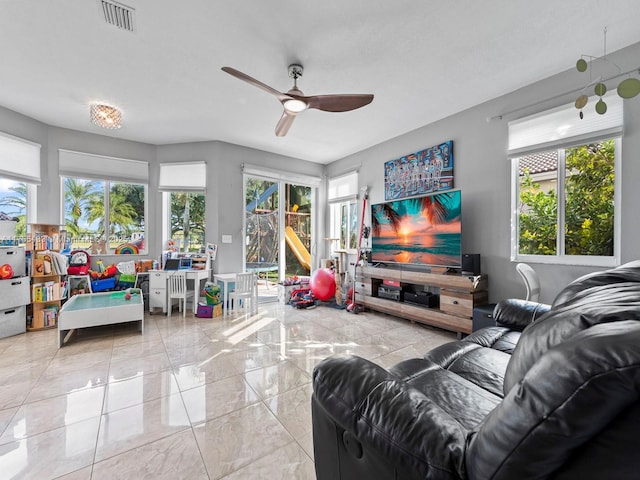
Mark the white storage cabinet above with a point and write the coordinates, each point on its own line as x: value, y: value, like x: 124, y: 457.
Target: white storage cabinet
x: 157, y: 290
x: 15, y: 293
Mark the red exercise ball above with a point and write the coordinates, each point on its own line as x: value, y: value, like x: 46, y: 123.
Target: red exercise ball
x: 323, y: 284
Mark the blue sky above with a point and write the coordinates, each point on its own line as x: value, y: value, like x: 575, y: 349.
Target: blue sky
x: 5, y: 192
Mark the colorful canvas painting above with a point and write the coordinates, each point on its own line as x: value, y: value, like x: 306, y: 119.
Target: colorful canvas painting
x: 426, y: 171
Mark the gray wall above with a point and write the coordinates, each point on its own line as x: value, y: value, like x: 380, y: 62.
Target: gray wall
x: 225, y: 201
x: 224, y: 183
x: 482, y: 172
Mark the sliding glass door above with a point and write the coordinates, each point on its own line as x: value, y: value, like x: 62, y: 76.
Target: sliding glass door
x: 278, y: 231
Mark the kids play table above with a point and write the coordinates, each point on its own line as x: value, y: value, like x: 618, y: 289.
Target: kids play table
x: 106, y: 308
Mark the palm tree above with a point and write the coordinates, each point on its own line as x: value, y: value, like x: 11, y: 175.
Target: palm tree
x: 435, y: 207
x: 19, y: 203
x: 387, y: 212
x: 79, y: 199
x: 122, y: 215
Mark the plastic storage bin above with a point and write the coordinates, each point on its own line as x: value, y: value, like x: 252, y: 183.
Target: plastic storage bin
x: 104, y: 284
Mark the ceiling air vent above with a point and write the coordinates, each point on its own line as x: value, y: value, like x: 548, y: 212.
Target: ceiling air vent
x: 118, y: 14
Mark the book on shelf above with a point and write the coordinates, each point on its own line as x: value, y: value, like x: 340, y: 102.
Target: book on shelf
x: 46, y: 292
x: 36, y: 292
x: 38, y: 267
x: 49, y: 315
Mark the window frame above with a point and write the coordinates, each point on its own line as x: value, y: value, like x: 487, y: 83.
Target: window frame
x: 342, y: 195
x: 107, y: 194
x: 336, y: 218
x: 560, y: 257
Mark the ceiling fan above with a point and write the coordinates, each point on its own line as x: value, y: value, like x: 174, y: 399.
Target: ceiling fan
x: 295, y: 102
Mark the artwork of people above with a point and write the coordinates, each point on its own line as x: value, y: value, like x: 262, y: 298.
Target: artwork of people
x: 429, y: 170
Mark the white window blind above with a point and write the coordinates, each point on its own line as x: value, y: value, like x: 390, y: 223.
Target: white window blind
x: 19, y: 159
x: 344, y: 187
x: 289, y: 177
x: 562, y: 126
x: 99, y: 167
x: 186, y: 176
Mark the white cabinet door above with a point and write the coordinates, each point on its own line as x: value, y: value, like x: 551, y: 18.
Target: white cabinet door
x: 157, y: 290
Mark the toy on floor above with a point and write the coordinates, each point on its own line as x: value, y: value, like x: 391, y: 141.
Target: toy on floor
x: 303, y: 298
x: 211, y: 293
x: 323, y: 284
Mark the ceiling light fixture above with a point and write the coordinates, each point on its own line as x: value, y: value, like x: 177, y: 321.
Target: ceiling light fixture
x: 105, y: 116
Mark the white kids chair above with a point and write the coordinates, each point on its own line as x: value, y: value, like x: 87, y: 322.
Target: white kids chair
x: 531, y: 281
x: 178, y: 290
x: 244, y: 292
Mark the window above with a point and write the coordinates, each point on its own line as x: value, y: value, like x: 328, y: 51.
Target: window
x: 19, y: 177
x: 183, y: 186
x: 564, y: 196
x: 104, y: 202
x: 342, y: 196
x: 86, y: 203
x: 15, y: 200
x: 186, y: 220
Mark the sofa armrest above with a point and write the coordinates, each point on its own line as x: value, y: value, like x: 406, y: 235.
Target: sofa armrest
x: 370, y: 407
x: 518, y: 314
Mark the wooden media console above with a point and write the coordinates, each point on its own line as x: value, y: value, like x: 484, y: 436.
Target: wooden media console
x: 458, y: 295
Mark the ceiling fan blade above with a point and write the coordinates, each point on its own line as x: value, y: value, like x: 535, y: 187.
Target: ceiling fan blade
x: 337, y: 103
x: 257, y: 83
x: 284, y: 123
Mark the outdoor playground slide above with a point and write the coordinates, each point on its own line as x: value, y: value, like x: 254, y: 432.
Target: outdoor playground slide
x: 299, y: 250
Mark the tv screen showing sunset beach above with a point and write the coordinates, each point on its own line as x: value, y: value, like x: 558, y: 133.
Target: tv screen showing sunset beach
x: 422, y: 230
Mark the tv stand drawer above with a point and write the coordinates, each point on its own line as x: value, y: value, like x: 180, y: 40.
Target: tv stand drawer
x: 461, y: 303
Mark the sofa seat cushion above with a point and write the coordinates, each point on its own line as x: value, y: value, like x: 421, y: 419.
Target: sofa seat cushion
x: 464, y: 379
x: 480, y: 358
x: 459, y: 398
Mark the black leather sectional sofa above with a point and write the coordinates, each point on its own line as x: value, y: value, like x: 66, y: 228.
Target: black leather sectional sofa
x: 549, y: 392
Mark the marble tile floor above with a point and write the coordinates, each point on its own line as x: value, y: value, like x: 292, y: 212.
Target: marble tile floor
x: 223, y: 398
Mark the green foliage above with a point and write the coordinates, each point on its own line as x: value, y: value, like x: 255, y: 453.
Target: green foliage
x: 188, y: 218
x: 538, y: 218
x: 589, y: 211
x: 589, y: 220
x: 79, y: 199
x: 255, y: 188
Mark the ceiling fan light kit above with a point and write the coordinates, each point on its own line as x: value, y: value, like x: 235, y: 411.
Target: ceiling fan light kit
x: 294, y: 101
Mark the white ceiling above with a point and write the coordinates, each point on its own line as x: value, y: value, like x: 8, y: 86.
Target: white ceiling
x: 422, y: 59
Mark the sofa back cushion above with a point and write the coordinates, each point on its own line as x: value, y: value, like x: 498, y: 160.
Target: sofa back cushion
x: 565, y: 401
x: 602, y: 297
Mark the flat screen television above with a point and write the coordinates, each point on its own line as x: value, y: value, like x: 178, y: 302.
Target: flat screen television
x: 425, y: 230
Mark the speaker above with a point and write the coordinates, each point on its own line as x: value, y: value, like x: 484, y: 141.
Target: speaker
x: 471, y: 264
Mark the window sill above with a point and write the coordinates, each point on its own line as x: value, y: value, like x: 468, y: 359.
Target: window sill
x: 578, y: 260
